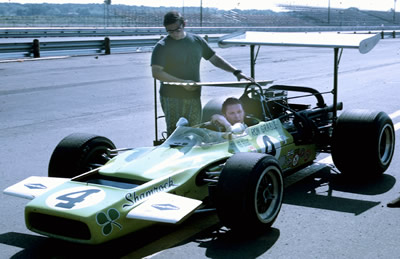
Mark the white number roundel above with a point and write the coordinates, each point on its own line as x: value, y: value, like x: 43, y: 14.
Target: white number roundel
x: 76, y: 198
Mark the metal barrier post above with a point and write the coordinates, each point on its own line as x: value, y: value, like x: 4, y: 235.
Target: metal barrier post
x: 107, y: 46
x: 36, y: 48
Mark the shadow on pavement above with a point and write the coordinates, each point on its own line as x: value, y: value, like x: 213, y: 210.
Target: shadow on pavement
x: 322, y: 189
x: 218, y: 241
x: 43, y: 247
x: 226, y: 244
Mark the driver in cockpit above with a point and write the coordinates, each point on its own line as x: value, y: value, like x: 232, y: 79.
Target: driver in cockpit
x: 232, y: 113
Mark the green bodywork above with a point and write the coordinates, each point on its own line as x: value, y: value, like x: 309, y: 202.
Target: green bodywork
x: 96, y: 210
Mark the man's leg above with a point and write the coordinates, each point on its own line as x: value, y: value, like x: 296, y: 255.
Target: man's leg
x: 192, y: 110
x: 172, y: 112
x: 175, y: 108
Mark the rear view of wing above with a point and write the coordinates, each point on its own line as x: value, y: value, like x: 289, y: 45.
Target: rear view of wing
x: 363, y: 42
x: 34, y: 186
x: 164, y: 207
x: 238, y: 84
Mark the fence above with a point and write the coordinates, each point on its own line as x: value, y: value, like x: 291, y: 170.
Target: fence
x: 146, y: 31
x: 38, y: 48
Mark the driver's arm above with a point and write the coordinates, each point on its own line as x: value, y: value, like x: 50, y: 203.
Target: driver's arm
x: 219, y: 119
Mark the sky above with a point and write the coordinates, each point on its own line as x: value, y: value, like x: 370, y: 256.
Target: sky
x: 380, y: 5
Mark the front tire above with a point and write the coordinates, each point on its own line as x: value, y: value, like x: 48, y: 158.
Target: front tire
x: 79, y: 153
x: 363, y: 143
x: 249, y: 192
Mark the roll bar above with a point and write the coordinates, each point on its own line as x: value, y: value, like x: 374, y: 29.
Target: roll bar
x: 363, y: 42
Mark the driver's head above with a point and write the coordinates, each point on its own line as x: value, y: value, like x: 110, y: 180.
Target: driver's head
x: 233, y: 111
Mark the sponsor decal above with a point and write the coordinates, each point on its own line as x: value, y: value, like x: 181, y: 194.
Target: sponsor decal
x: 252, y: 149
x: 165, y: 207
x: 76, y: 198
x: 108, y: 220
x: 134, y: 197
x: 35, y: 186
x: 241, y: 145
x: 264, y: 128
x: 289, y: 158
x: 307, y: 155
x: 294, y: 157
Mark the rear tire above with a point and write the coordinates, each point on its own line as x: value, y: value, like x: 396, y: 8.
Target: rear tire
x: 363, y: 143
x: 77, y: 154
x: 249, y: 192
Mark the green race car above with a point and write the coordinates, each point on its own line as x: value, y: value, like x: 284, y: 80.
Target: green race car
x: 96, y: 193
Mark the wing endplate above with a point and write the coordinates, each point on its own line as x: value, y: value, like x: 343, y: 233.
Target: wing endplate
x: 34, y: 186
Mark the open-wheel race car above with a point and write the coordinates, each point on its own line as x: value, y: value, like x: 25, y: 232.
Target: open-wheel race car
x: 95, y: 192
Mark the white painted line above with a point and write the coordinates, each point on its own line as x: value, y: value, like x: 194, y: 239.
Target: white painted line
x: 32, y: 59
x: 395, y: 114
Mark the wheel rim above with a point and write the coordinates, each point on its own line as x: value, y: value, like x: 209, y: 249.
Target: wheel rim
x: 386, y: 144
x: 268, y: 196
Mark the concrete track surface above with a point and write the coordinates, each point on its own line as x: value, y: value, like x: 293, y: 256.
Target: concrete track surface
x: 44, y: 100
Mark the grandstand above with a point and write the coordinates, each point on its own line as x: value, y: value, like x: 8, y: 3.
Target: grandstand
x: 342, y: 17
x: 141, y: 16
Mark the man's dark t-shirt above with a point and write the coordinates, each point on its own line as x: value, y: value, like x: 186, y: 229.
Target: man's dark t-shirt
x: 181, y: 58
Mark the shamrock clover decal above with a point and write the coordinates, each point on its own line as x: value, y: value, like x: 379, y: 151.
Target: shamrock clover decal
x: 108, y: 220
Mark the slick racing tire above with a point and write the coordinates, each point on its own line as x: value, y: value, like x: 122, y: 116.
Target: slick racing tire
x: 79, y: 153
x: 363, y: 143
x: 249, y: 192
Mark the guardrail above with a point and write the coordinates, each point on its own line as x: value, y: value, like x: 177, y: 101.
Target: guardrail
x: 38, y: 48
x: 94, y: 32
x: 384, y: 34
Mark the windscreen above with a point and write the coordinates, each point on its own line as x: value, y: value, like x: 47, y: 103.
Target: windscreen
x: 187, y: 136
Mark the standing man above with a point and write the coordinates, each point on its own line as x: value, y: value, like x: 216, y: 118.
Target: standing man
x: 176, y: 58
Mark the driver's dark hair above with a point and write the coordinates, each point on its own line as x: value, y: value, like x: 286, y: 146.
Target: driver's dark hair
x: 230, y: 101
x: 173, y: 17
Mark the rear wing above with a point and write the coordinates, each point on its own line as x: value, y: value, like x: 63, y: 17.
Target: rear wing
x: 363, y: 42
x: 336, y: 41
